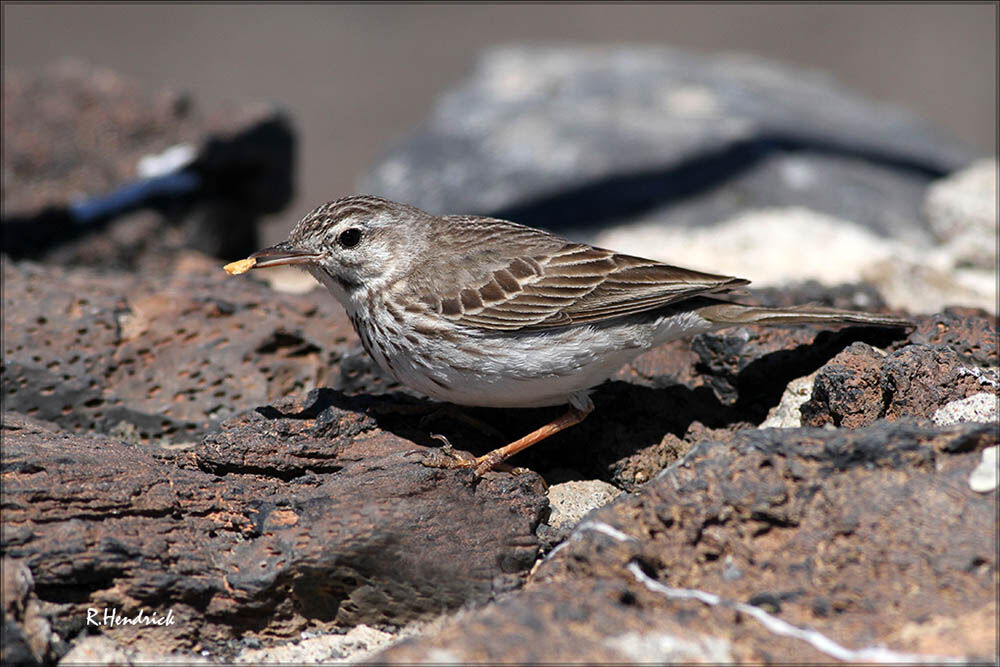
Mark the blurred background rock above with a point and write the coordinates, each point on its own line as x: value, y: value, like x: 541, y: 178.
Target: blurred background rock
x: 355, y: 79
x: 782, y: 144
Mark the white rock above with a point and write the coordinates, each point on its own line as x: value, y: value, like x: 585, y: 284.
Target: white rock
x: 976, y: 408
x: 984, y: 478
x: 96, y: 650
x: 962, y: 212
x: 100, y: 650
x: 776, y: 246
x: 664, y: 648
x: 769, y: 246
x: 787, y: 413
x: 570, y: 501
x: 357, y: 644
x: 927, y: 282
x: 288, y: 279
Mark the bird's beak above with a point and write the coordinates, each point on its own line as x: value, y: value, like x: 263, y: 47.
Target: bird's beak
x: 276, y: 255
x: 282, y: 253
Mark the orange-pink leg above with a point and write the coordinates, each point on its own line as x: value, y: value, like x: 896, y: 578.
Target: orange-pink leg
x: 490, y: 460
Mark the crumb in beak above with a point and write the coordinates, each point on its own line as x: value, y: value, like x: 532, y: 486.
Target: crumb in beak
x: 240, y: 266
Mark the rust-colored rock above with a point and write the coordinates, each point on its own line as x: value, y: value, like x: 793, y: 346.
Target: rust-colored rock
x: 745, y: 366
x: 227, y: 453
x: 716, y: 383
x: 849, y: 386
x: 869, y: 537
x: 336, y: 523
x: 862, y: 384
x: 971, y: 332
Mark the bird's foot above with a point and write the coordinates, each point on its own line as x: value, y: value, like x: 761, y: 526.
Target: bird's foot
x: 447, y: 457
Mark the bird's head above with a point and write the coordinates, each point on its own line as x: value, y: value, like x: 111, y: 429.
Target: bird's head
x: 351, y: 244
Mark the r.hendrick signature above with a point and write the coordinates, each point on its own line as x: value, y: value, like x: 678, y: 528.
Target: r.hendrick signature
x: 111, y: 617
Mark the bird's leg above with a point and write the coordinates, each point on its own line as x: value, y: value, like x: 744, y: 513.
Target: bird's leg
x: 573, y: 416
x: 458, y: 458
x: 577, y: 412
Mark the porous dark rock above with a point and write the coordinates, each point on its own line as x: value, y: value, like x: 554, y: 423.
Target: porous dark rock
x: 870, y: 538
x: 337, y: 524
x: 849, y: 387
x: 168, y: 355
x: 971, y: 332
x: 575, y: 139
x: 862, y: 384
x: 750, y: 357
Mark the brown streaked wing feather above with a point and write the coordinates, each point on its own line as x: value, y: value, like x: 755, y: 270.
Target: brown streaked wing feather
x: 473, y: 252
x: 639, y: 284
x: 575, y: 283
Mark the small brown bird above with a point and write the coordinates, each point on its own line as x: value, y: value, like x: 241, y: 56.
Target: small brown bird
x: 480, y: 311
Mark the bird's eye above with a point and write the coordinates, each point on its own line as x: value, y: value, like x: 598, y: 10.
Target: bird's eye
x: 349, y: 237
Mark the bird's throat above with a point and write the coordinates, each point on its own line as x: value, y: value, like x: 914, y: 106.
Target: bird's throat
x: 348, y: 285
x: 343, y: 289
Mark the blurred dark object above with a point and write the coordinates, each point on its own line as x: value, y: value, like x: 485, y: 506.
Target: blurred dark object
x: 72, y: 130
x: 219, y: 196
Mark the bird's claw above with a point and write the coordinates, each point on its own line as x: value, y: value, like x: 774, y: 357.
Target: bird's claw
x: 447, y: 456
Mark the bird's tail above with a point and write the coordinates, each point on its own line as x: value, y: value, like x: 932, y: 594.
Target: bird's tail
x: 734, y: 314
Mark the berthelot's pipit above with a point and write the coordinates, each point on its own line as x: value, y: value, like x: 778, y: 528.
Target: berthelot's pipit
x: 485, y: 312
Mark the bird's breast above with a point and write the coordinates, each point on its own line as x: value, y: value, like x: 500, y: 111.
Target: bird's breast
x: 488, y: 368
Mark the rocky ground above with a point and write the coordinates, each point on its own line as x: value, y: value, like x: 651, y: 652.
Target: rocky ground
x: 221, y: 450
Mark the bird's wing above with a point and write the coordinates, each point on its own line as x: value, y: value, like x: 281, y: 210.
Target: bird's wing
x: 571, y: 283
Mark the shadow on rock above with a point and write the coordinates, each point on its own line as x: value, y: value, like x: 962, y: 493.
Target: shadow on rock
x: 634, y: 429
x: 596, y: 204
